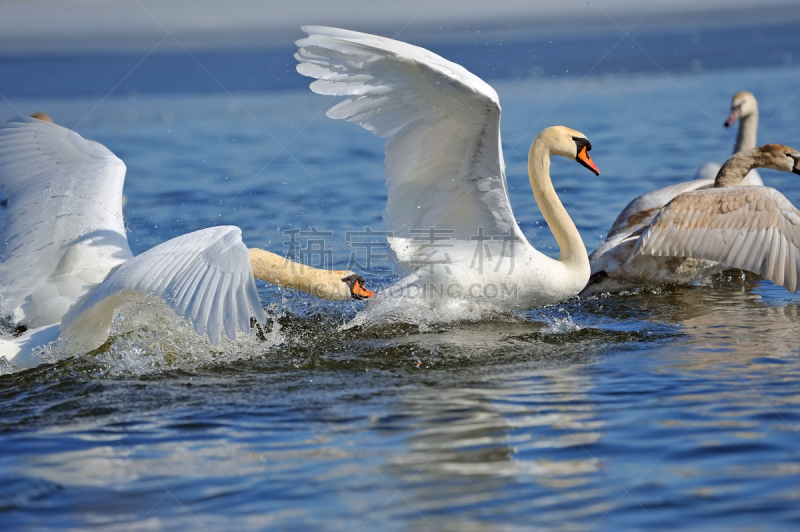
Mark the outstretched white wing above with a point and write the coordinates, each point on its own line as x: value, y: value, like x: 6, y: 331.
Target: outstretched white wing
x: 444, y: 163
x: 204, y: 276
x: 63, y: 228
x: 754, y: 228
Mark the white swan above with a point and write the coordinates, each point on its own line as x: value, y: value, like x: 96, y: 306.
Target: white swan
x: 744, y: 108
x: 701, y: 232
x: 448, y: 206
x: 65, y: 257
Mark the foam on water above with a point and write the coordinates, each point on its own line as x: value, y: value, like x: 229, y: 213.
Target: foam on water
x: 561, y: 326
x: 148, y: 337
x: 421, y: 311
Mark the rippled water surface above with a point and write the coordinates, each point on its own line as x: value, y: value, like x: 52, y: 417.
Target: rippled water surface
x: 675, y: 408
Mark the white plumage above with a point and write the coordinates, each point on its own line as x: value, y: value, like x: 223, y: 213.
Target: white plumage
x: 64, y: 233
x: 444, y: 163
x: 204, y: 276
x: 447, y: 206
x: 63, y: 228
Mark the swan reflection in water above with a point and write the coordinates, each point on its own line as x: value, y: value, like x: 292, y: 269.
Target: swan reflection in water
x: 724, y: 321
x: 493, y: 433
x: 537, y: 437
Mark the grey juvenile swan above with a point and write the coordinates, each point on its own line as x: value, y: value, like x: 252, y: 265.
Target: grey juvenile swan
x: 700, y: 232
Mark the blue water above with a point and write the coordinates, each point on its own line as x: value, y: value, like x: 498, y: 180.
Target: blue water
x: 668, y: 409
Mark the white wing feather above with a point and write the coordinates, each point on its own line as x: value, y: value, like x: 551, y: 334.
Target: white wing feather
x: 63, y: 228
x: 754, y: 228
x: 444, y: 163
x: 204, y: 276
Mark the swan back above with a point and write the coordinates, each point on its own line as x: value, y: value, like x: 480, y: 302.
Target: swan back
x: 63, y: 228
x: 753, y: 228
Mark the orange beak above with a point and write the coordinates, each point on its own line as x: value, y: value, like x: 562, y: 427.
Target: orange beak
x: 586, y: 160
x: 360, y: 290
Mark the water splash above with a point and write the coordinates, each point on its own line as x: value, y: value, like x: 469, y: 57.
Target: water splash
x: 561, y: 326
x: 425, y: 313
x: 148, y: 337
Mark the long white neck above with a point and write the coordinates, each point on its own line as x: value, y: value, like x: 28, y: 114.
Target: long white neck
x: 325, y: 284
x: 573, y: 252
x: 748, y: 130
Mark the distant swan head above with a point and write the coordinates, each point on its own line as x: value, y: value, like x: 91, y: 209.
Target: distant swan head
x: 743, y: 105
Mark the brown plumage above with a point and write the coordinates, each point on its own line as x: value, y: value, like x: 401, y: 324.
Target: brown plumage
x: 748, y: 227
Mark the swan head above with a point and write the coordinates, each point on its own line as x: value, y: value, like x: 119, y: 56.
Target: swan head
x: 744, y: 104
x: 779, y: 157
x: 357, y: 286
x: 775, y: 156
x: 42, y: 116
x: 568, y: 143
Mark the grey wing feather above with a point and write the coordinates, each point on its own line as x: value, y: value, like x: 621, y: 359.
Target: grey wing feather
x: 641, y: 210
x: 754, y: 228
x: 633, y: 220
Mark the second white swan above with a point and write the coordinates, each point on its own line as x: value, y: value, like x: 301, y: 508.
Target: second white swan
x: 66, y: 264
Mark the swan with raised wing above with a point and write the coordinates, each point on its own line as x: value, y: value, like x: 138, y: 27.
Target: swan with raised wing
x: 66, y: 264
x: 448, y: 206
x: 702, y: 232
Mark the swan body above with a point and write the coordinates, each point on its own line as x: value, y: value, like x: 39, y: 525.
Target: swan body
x: 613, y: 267
x: 701, y: 230
x: 744, y: 108
x: 448, y: 206
x: 66, y: 264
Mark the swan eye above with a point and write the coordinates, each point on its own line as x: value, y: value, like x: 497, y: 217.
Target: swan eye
x: 580, y: 142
